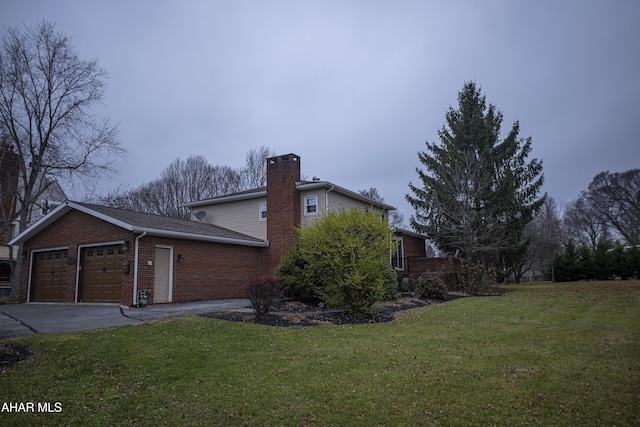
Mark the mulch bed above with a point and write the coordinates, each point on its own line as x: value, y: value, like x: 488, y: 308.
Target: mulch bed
x: 291, y: 313
x: 12, y: 353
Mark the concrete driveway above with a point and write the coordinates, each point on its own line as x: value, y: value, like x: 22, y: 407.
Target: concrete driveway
x: 54, y: 318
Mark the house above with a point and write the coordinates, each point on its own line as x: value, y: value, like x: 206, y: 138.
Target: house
x: 50, y: 195
x: 408, y: 245
x: 81, y: 252
x: 89, y: 253
x: 274, y: 212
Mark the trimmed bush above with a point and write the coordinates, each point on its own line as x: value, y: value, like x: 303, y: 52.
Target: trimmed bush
x: 263, y: 292
x: 431, y: 287
x: 390, y: 285
x: 342, y: 259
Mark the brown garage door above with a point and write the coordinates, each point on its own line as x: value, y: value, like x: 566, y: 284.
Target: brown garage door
x: 101, y: 279
x: 48, y: 283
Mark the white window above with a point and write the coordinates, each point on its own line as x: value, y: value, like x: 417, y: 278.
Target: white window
x: 397, y: 260
x: 263, y: 211
x: 311, y: 205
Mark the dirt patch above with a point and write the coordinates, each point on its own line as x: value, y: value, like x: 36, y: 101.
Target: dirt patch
x: 12, y: 353
x: 297, y: 313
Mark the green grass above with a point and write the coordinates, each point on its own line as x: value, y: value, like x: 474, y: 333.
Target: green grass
x: 549, y: 354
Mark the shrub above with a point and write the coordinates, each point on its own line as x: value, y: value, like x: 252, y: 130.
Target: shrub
x: 608, y: 260
x: 390, y: 285
x: 431, y: 287
x: 263, y: 292
x: 406, y: 284
x: 291, y: 271
x: 342, y: 259
x: 477, y: 277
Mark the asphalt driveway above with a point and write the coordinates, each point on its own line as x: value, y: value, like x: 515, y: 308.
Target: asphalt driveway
x: 54, y: 318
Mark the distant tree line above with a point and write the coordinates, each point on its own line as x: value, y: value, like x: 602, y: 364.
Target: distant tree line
x: 605, y: 261
x: 595, y: 237
x: 190, y: 180
x: 601, y: 230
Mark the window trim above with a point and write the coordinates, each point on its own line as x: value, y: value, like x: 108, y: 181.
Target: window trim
x: 307, y: 205
x: 261, y: 211
x: 399, y: 250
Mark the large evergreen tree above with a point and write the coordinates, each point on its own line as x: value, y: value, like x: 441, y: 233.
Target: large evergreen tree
x: 477, y: 192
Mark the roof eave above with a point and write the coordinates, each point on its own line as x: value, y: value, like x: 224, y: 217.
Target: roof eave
x: 329, y: 185
x: 59, y: 211
x: 225, y: 199
x: 42, y: 223
x: 201, y: 237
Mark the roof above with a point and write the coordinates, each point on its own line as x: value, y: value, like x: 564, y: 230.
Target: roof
x: 404, y: 231
x: 241, y: 195
x: 301, y: 186
x: 312, y: 185
x: 139, y: 222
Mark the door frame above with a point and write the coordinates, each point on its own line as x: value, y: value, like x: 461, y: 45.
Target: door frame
x: 32, y: 264
x: 79, y: 259
x: 170, y: 292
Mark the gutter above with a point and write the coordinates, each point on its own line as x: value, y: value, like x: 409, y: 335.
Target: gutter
x: 326, y: 199
x: 201, y: 237
x: 135, y: 268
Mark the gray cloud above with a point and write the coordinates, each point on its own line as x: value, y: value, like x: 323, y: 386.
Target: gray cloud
x: 355, y: 88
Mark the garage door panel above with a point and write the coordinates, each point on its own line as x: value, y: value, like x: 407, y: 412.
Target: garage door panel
x: 49, y: 282
x: 101, y: 274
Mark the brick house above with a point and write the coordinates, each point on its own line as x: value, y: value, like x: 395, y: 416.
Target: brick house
x: 82, y: 252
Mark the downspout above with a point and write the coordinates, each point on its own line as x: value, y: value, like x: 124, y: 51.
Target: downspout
x: 326, y: 200
x: 135, y: 269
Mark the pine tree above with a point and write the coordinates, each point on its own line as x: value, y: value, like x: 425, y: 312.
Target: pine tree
x: 477, y: 192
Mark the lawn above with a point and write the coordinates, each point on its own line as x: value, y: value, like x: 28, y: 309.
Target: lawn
x: 544, y: 354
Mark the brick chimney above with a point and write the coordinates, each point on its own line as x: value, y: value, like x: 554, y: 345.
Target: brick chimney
x: 283, y: 205
x: 8, y: 184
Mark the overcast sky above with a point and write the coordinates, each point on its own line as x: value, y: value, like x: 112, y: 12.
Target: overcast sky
x: 355, y: 88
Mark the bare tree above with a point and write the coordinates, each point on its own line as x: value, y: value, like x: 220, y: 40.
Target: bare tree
x: 254, y: 173
x: 583, y: 224
x: 396, y: 218
x: 545, y: 237
x: 181, y: 182
x: 372, y: 193
x: 615, y: 198
x: 46, y: 96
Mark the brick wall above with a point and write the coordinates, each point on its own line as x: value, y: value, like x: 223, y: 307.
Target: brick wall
x: 413, y: 246
x: 447, y: 268
x: 208, y: 270
x: 73, y: 229
x: 283, y: 206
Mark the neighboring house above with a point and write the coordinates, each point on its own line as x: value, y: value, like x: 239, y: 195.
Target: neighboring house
x: 8, y: 185
x: 408, y: 244
x: 51, y: 196
x: 88, y: 253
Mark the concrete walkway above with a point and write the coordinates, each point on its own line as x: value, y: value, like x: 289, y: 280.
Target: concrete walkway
x: 54, y: 318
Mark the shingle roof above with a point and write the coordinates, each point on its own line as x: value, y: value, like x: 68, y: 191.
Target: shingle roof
x: 140, y: 222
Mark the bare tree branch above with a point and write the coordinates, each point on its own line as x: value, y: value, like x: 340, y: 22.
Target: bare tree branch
x: 46, y: 96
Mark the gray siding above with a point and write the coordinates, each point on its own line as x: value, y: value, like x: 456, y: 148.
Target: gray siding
x: 242, y: 216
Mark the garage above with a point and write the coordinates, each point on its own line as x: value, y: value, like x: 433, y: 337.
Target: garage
x: 101, y: 278
x: 49, y: 281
